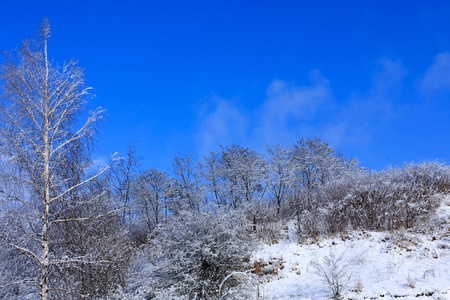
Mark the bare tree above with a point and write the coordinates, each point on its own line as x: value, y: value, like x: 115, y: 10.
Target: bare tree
x: 316, y: 163
x: 212, y: 173
x: 151, y: 193
x: 235, y: 176
x: 42, y: 119
x: 125, y: 173
x: 185, y: 189
x: 281, y: 171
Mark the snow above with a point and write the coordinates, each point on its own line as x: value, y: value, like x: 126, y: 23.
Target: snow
x: 404, y: 264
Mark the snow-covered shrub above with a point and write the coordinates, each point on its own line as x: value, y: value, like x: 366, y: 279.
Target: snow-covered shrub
x: 194, y: 252
x: 432, y: 177
x: 387, y: 200
x: 395, y: 198
x: 410, y: 281
x: 359, y: 286
x: 333, y: 270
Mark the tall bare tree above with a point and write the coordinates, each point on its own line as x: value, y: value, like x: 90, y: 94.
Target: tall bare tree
x: 125, y: 173
x: 151, y: 196
x: 42, y: 117
x: 281, y: 174
x: 235, y: 176
x: 185, y: 189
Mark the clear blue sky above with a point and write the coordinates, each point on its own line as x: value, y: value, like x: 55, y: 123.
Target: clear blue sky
x: 370, y: 77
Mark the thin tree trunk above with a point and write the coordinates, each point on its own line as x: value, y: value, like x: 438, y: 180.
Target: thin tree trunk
x: 45, y: 235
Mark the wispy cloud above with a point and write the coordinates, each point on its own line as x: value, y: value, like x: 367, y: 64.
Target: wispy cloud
x: 221, y: 123
x: 437, y: 77
x: 363, y: 112
x: 291, y: 111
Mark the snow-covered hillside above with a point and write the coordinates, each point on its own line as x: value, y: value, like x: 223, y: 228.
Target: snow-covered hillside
x: 374, y: 265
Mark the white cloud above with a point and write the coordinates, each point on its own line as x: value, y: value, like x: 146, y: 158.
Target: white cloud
x: 437, y: 77
x: 361, y: 114
x: 221, y: 123
x: 290, y: 112
x: 289, y: 109
x: 387, y: 80
x: 285, y: 100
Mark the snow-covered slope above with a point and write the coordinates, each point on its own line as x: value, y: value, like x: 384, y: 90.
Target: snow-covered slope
x: 375, y: 265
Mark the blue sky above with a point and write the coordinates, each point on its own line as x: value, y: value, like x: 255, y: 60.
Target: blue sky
x: 370, y: 77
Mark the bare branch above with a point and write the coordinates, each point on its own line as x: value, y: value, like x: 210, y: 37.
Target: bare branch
x: 79, y: 184
x: 27, y: 252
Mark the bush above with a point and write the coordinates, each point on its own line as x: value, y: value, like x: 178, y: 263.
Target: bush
x: 194, y: 252
x: 387, y: 200
x: 333, y: 271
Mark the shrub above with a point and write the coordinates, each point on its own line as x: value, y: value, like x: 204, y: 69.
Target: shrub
x: 194, y: 252
x: 333, y: 271
x: 386, y: 200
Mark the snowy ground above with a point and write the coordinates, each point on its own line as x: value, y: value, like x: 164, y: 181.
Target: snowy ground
x: 404, y: 264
